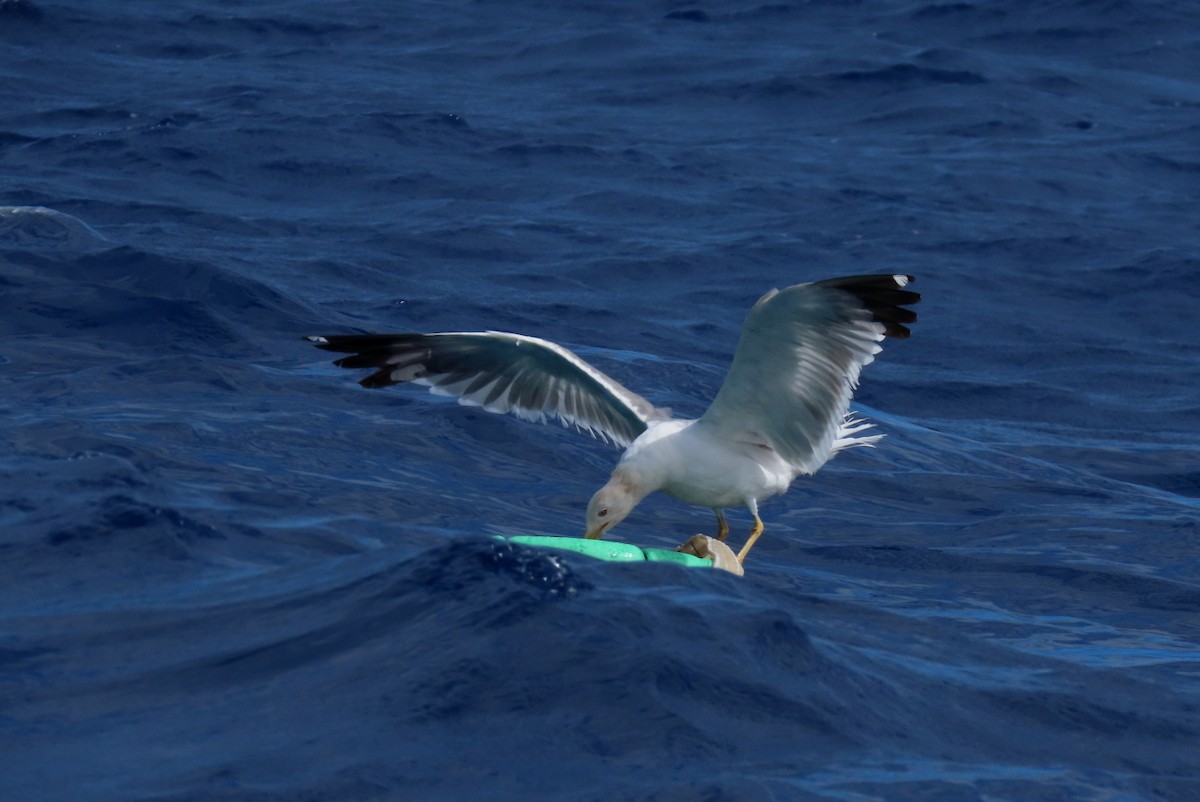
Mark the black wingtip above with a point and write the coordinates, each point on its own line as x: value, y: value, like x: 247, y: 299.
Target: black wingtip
x: 359, y: 343
x: 395, y: 358
x: 382, y: 378
x: 318, y: 341
x: 884, y: 295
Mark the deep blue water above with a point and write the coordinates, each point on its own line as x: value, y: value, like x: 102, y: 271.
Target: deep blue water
x: 229, y: 573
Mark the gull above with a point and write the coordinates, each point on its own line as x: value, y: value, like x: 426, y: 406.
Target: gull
x: 783, y: 410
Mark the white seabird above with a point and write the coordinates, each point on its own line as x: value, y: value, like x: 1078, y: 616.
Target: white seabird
x: 782, y: 411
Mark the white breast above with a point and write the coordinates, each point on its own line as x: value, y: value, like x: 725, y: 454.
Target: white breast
x: 681, y: 461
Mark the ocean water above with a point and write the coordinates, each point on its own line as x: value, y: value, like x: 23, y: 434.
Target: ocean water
x: 229, y: 573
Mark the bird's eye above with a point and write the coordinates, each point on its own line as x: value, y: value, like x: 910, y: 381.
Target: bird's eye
x: 603, y: 512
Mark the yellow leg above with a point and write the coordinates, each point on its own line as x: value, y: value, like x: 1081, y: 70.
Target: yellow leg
x: 754, y: 535
x: 722, y: 526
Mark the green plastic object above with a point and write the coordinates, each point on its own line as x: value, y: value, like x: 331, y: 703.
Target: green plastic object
x: 610, y: 551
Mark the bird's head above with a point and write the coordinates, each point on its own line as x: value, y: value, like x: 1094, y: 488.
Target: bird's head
x: 610, y: 505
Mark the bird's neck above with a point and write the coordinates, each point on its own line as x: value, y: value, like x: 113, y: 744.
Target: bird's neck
x: 634, y: 481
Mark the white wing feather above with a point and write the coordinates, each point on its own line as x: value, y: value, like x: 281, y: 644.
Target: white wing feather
x: 531, y: 378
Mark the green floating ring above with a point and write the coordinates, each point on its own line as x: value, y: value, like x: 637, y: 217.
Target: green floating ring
x: 610, y: 551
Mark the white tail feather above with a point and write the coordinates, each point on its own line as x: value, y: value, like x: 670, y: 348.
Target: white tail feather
x: 848, y: 428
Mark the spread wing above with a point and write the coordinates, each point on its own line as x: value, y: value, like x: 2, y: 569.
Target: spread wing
x: 534, y: 379
x: 798, y: 362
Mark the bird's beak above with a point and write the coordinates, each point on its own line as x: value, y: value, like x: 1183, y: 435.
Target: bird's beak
x: 598, y: 532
